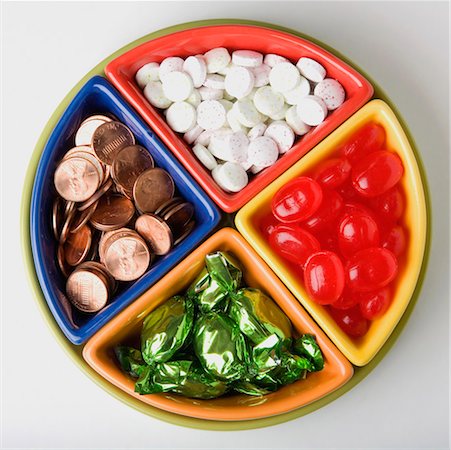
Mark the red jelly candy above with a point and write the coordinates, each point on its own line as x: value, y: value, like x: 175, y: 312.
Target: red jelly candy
x: 369, y: 138
x: 350, y: 321
x: 390, y: 205
x: 374, y: 304
x: 356, y: 207
x: 348, y: 192
x: 371, y: 269
x: 293, y: 243
x: 268, y: 224
x: 395, y: 240
x: 324, y: 277
x: 297, y: 200
x: 328, y: 238
x: 377, y: 173
x: 347, y: 300
x: 333, y: 172
x: 357, y: 231
x: 329, y: 210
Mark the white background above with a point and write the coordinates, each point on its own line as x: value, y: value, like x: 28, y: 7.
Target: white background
x: 48, y: 403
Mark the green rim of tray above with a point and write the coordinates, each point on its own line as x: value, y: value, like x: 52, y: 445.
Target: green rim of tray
x: 75, y: 352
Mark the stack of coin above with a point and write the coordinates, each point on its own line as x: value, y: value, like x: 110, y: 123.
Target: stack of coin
x: 107, y: 186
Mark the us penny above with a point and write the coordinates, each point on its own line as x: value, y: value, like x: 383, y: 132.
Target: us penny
x: 188, y: 228
x: 156, y: 232
x: 128, y: 164
x: 102, y: 190
x: 77, y: 245
x: 163, y: 208
x: 112, y: 212
x: 178, y: 216
x: 109, y: 138
x: 152, y: 188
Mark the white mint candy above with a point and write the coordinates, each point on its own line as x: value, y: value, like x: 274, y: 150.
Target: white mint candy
x: 219, y: 142
x: 281, y: 133
x: 195, y: 98
x: 214, y: 81
x: 204, y: 156
x: 148, y: 72
x: 196, y: 68
x: 256, y: 131
x: 239, y: 82
x: 294, y: 96
x: 217, y: 59
x: 267, y: 101
x: 155, y: 95
x: 225, y: 69
x: 177, y: 86
x: 272, y: 60
x: 204, y: 138
x: 247, y: 58
x: 280, y: 115
x: 226, y: 103
x: 311, y: 69
x: 332, y: 93
x: 261, y: 74
x: 230, y: 176
x: 191, y: 135
x: 284, y: 77
x: 292, y: 118
x: 211, y: 115
x: 255, y: 169
x: 246, y: 113
x: 168, y: 65
x: 181, y: 117
x: 246, y: 165
x: 233, y: 122
x: 312, y: 110
x: 207, y: 93
x: 262, y: 152
x: 236, y: 149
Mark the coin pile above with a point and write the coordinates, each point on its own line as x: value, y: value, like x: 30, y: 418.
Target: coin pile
x: 115, y: 211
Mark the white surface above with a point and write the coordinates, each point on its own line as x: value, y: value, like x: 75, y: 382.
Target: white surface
x: 48, y: 403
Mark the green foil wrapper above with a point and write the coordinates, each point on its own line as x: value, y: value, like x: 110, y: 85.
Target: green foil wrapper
x: 166, y: 329
x: 307, y: 347
x: 258, y: 316
x: 181, y: 377
x: 221, y: 277
x: 246, y: 387
x: 220, y: 347
x: 131, y: 360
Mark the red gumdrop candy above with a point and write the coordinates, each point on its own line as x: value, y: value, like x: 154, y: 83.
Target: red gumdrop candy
x: 267, y: 225
x: 333, y: 173
x: 377, y: 173
x: 390, y: 205
x: 350, y: 321
x: 356, y: 207
x: 328, y: 238
x: 293, y: 243
x: 371, y: 269
x: 374, y: 304
x: 348, y: 193
x: 297, y: 200
x: 324, y: 277
x: 395, y: 240
x: 356, y: 232
x: 369, y: 138
x: 329, y: 210
x: 347, y: 300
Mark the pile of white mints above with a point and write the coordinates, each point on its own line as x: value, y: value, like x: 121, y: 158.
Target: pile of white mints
x: 239, y: 111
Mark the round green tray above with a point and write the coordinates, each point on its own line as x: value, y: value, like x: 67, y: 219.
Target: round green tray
x: 75, y: 352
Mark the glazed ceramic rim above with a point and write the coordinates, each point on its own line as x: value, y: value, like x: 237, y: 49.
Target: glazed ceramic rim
x: 75, y: 352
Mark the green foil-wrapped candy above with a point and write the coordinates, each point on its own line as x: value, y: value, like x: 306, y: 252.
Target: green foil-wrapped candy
x: 181, y: 377
x: 166, y: 328
x: 131, y: 360
x: 246, y: 387
x: 307, y: 347
x: 258, y: 316
x: 220, y: 346
x: 221, y: 277
x: 266, y: 355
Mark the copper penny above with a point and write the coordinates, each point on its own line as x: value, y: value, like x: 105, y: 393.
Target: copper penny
x: 76, y: 179
x: 64, y: 267
x: 101, y: 270
x: 87, y: 128
x: 86, y: 290
x: 156, y: 233
x: 57, y: 216
x: 77, y: 245
x: 152, y: 188
x: 129, y: 163
x: 127, y: 257
x: 178, y: 216
x: 91, y: 158
x: 189, y: 227
x: 82, y: 217
x: 113, y: 212
x: 102, y: 190
x: 160, y: 211
x: 70, y: 214
x: 109, y: 138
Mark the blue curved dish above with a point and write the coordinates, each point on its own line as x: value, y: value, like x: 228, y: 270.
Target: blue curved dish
x: 98, y: 96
